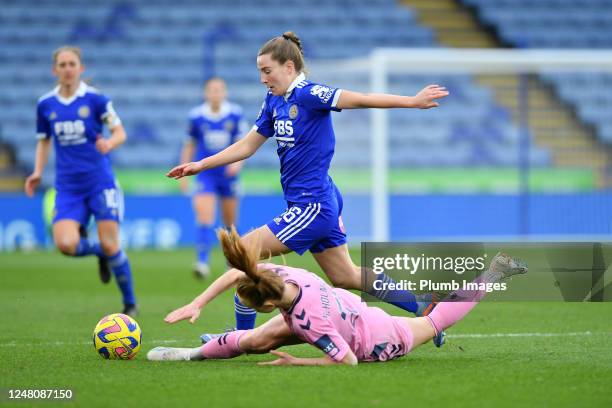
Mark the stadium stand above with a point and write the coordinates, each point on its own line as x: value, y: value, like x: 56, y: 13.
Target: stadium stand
x: 151, y: 57
x: 571, y: 113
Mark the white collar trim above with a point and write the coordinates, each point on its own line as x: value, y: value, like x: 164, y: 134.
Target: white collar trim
x: 224, y: 110
x: 81, y: 90
x: 295, y: 83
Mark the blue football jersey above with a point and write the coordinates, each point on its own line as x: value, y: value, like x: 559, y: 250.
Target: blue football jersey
x: 301, y: 123
x: 75, y: 124
x: 214, y: 131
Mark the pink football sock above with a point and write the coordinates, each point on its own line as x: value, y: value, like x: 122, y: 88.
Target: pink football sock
x: 224, y: 346
x: 447, y: 313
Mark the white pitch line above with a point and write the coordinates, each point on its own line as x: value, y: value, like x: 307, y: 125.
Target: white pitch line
x: 81, y: 343
x: 451, y: 336
x: 493, y: 335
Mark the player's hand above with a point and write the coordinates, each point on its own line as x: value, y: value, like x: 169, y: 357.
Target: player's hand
x: 185, y: 169
x: 31, y: 183
x: 233, y: 169
x: 190, y: 311
x: 425, y: 99
x: 103, y: 145
x: 283, y: 359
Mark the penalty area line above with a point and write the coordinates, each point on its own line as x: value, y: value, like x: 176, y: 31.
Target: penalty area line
x: 495, y: 335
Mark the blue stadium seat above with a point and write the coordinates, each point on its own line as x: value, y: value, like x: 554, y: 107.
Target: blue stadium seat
x: 148, y: 57
x: 560, y: 24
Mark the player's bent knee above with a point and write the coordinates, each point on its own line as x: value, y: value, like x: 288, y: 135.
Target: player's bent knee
x: 345, y: 281
x: 109, y: 246
x: 67, y: 249
x: 66, y: 246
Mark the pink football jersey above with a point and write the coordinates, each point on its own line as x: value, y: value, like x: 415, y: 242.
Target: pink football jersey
x: 336, y: 320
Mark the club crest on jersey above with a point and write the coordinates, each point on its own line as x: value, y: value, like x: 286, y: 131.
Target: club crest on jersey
x: 293, y: 111
x: 274, y: 113
x: 323, y: 92
x: 277, y: 220
x: 53, y: 116
x: 84, y: 111
x: 228, y: 126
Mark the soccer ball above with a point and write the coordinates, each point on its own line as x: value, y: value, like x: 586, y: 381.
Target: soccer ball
x: 117, y: 337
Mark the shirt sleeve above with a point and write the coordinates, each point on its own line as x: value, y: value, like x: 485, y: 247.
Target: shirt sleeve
x: 320, y: 97
x: 264, y: 124
x: 192, y: 134
x: 106, y: 112
x: 43, y: 129
x: 319, y: 332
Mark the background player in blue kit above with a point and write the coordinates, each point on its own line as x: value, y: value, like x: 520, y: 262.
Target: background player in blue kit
x: 296, y: 112
x: 73, y: 114
x: 213, y: 126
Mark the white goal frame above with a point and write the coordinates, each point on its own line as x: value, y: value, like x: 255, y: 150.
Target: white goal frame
x: 384, y: 61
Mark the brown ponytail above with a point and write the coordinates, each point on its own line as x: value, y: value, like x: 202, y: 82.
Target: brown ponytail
x: 286, y: 47
x: 258, y: 285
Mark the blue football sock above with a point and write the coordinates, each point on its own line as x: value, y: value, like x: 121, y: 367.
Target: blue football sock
x: 85, y: 248
x: 404, y: 299
x: 245, y: 316
x: 204, y: 240
x: 120, y: 265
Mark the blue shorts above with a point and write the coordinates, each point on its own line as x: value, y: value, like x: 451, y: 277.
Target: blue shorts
x: 104, y: 204
x: 314, y: 226
x: 226, y: 187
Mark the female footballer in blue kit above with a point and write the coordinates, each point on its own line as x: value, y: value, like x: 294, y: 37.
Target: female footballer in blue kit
x: 73, y: 115
x: 296, y: 112
x: 213, y: 126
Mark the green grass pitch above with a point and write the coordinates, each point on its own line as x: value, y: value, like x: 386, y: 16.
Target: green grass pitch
x: 560, y: 353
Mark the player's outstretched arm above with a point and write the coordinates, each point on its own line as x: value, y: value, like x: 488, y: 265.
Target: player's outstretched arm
x: 288, y: 359
x: 42, y: 155
x: 425, y: 99
x: 192, y: 310
x: 240, y: 150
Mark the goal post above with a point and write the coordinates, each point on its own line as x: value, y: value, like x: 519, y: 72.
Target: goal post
x: 385, y: 62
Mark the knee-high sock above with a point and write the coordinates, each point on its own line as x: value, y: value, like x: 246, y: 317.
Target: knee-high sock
x: 120, y: 265
x: 404, y: 299
x: 447, y: 313
x: 224, y: 346
x: 85, y: 248
x: 204, y: 240
x: 245, y: 316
